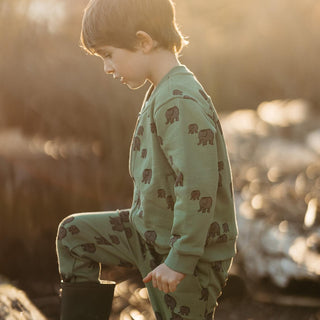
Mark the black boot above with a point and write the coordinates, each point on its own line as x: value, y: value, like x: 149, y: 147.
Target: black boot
x: 86, y: 301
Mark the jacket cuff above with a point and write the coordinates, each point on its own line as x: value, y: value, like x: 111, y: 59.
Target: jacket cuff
x: 185, y: 264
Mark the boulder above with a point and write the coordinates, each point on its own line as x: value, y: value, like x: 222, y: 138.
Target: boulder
x: 15, y: 305
x: 275, y: 157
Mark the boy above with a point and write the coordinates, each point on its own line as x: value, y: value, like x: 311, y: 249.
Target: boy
x: 180, y: 231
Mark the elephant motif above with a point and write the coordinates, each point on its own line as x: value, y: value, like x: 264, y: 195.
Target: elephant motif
x: 170, y: 302
x: 214, y: 230
x: 217, y: 266
x: 172, y: 115
x: 102, y: 241
x: 89, y: 247
x: 128, y: 232
x: 220, y: 165
x: 147, y: 175
x: 205, y: 136
x: 161, y: 193
x: 179, y: 180
x: 140, y: 131
x: 184, y: 310
x: 205, y: 204
x: 225, y: 228
x: 193, y: 128
x: 170, y: 202
x: 150, y: 236
x: 189, y: 98
x: 124, y: 216
x: 116, y: 223
x: 204, y: 294
x: 143, y: 153
x: 160, y: 140
x: 153, y: 127
x: 115, y: 239
x: 175, y: 316
x: 136, y: 144
x: 220, y: 168
x: 222, y: 238
x: 73, y: 229
x: 67, y: 220
x: 195, y: 195
x: 62, y: 233
x: 177, y: 92
x: 204, y: 95
x: 173, y: 239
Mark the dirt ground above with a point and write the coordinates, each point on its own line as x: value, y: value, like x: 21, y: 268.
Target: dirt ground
x: 237, y: 303
x: 249, y: 309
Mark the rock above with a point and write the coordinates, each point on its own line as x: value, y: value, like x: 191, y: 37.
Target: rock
x: 15, y: 305
x: 284, y: 113
x: 275, y: 158
x: 275, y: 152
x: 281, y: 252
x: 313, y: 141
x: 244, y: 121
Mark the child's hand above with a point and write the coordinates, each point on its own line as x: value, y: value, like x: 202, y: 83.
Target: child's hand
x: 164, y: 278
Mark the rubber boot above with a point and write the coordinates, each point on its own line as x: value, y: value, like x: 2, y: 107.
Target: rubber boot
x: 86, y: 301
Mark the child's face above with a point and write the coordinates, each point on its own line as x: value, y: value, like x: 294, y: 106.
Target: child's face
x: 128, y: 66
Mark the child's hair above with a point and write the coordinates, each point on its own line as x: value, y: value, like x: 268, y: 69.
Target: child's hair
x: 115, y: 23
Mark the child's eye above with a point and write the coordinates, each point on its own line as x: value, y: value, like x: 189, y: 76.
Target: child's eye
x: 107, y: 55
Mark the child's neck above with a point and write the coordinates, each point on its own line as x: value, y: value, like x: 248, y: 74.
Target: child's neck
x: 161, y: 62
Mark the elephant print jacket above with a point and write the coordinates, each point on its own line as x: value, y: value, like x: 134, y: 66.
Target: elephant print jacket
x: 183, y: 196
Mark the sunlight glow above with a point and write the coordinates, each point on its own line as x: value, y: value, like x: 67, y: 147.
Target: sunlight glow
x: 311, y: 213
x: 143, y: 293
x: 50, y: 12
x: 257, y: 201
x: 274, y: 174
x: 136, y: 315
x: 300, y: 253
x: 284, y: 226
x: 284, y: 113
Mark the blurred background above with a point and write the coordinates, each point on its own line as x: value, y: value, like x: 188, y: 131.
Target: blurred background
x: 65, y: 127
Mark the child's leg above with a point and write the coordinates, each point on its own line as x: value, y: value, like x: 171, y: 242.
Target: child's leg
x: 87, y: 240
x: 195, y: 297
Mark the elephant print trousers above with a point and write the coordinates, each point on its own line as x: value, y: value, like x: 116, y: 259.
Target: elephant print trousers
x: 87, y: 241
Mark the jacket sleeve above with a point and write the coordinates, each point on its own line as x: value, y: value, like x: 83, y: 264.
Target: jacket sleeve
x: 189, y: 143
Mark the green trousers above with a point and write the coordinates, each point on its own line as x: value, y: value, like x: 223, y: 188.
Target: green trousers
x: 88, y: 240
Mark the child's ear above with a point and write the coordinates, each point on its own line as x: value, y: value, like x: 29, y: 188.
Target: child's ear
x: 144, y: 41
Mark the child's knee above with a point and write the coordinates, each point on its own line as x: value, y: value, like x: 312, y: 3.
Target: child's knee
x: 67, y: 226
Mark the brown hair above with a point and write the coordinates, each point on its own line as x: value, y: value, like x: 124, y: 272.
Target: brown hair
x: 115, y: 23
